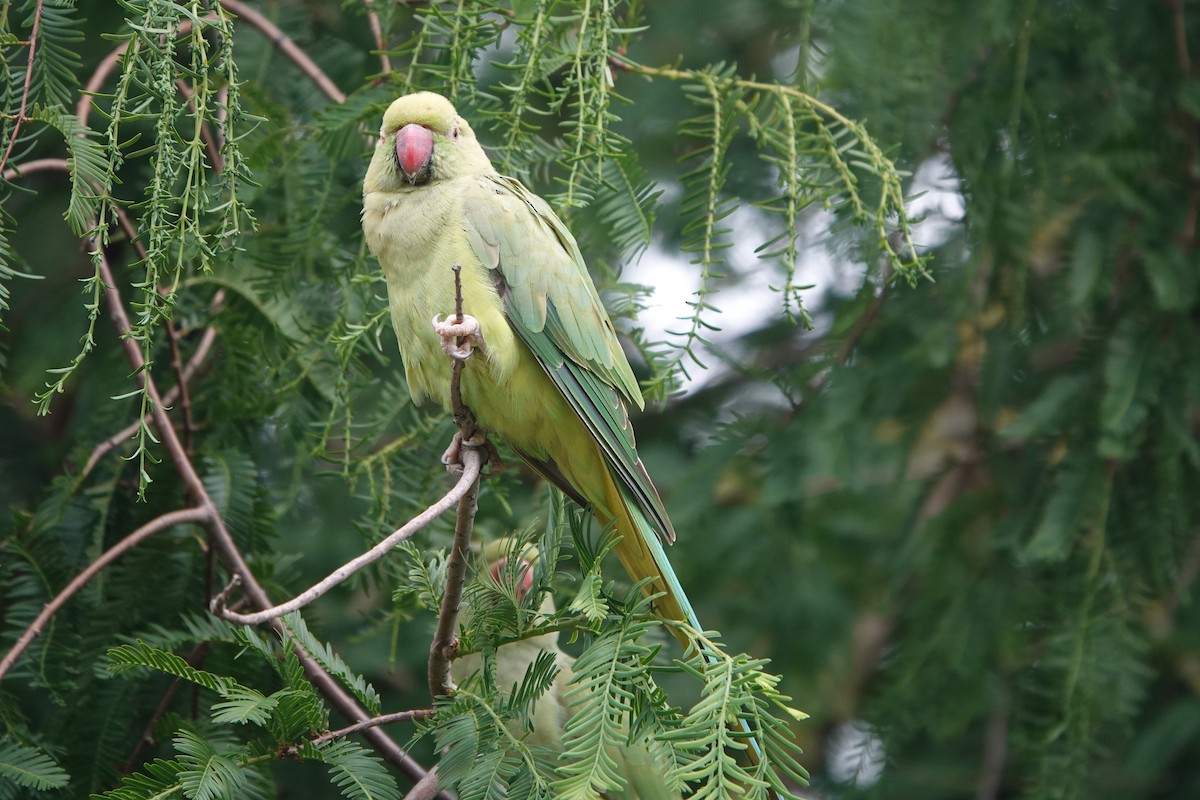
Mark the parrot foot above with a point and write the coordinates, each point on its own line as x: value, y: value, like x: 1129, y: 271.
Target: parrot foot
x: 452, y: 458
x: 458, y: 338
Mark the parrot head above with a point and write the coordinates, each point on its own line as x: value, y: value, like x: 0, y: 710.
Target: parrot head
x: 423, y: 140
x: 497, y: 555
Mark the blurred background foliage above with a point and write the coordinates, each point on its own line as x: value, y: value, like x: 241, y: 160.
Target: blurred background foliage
x: 954, y: 513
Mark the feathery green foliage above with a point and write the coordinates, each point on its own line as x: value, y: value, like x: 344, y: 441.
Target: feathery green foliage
x: 958, y: 517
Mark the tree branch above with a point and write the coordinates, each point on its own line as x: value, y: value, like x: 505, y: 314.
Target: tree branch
x: 445, y: 644
x: 285, y: 45
x: 195, y: 516
x: 221, y: 537
x: 472, y: 463
x: 382, y: 719
x: 425, y: 788
x: 442, y: 649
x: 33, y: 38
x: 377, y: 34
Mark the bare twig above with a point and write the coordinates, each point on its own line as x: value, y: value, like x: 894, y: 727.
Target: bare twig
x: 195, y: 516
x: 83, y: 108
x: 425, y: 788
x: 995, y: 753
x: 382, y: 719
x: 286, y: 46
x: 377, y: 34
x: 33, y: 39
x: 194, y: 658
x: 472, y: 462
x: 193, y: 365
x: 444, y: 645
x: 223, y: 541
x: 1191, y: 129
x: 37, y: 165
x: 185, y: 400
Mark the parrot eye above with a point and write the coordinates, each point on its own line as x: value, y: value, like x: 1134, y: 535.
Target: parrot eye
x: 454, y: 132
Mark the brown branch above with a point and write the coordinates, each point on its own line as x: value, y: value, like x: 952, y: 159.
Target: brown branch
x: 194, y: 658
x: 426, y: 788
x: 286, y: 46
x: 995, y: 753
x: 83, y: 108
x: 185, y: 400
x: 377, y: 34
x: 33, y: 37
x: 382, y: 719
x: 194, y: 363
x: 443, y: 648
x: 445, y: 644
x: 37, y: 165
x: 221, y: 537
x: 472, y: 463
x: 1191, y: 130
x: 195, y: 516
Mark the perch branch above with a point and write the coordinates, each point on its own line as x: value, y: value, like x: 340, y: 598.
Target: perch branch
x: 470, y: 474
x: 224, y: 542
x: 442, y: 648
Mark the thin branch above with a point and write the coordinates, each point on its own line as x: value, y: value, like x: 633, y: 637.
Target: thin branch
x: 193, y: 365
x: 443, y: 648
x: 223, y: 541
x: 185, y: 400
x: 286, y: 46
x: 33, y: 39
x: 195, y: 516
x: 995, y: 753
x: 83, y: 108
x: 377, y: 34
x: 37, y: 165
x: 445, y: 644
x: 472, y: 463
x: 382, y: 719
x: 195, y: 658
x: 425, y: 788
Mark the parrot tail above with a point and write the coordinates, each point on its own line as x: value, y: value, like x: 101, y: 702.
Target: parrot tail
x: 643, y: 556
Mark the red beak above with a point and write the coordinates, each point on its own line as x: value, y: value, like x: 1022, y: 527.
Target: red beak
x: 414, y: 152
x: 524, y: 576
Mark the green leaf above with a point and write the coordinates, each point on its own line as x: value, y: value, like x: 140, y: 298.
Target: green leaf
x: 358, y: 773
x: 139, y: 654
x: 243, y: 704
x: 332, y: 662
x: 30, y: 767
x: 207, y: 774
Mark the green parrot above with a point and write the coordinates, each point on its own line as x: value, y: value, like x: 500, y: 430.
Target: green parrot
x: 548, y: 375
x: 643, y: 776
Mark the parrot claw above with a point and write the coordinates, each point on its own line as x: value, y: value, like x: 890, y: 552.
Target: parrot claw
x: 452, y: 458
x: 458, y: 338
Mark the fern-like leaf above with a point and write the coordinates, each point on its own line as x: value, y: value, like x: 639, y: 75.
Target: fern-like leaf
x: 207, y: 774
x: 30, y: 767
x: 359, y: 774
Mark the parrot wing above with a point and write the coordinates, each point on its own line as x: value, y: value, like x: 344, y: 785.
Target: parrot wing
x: 553, y: 306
